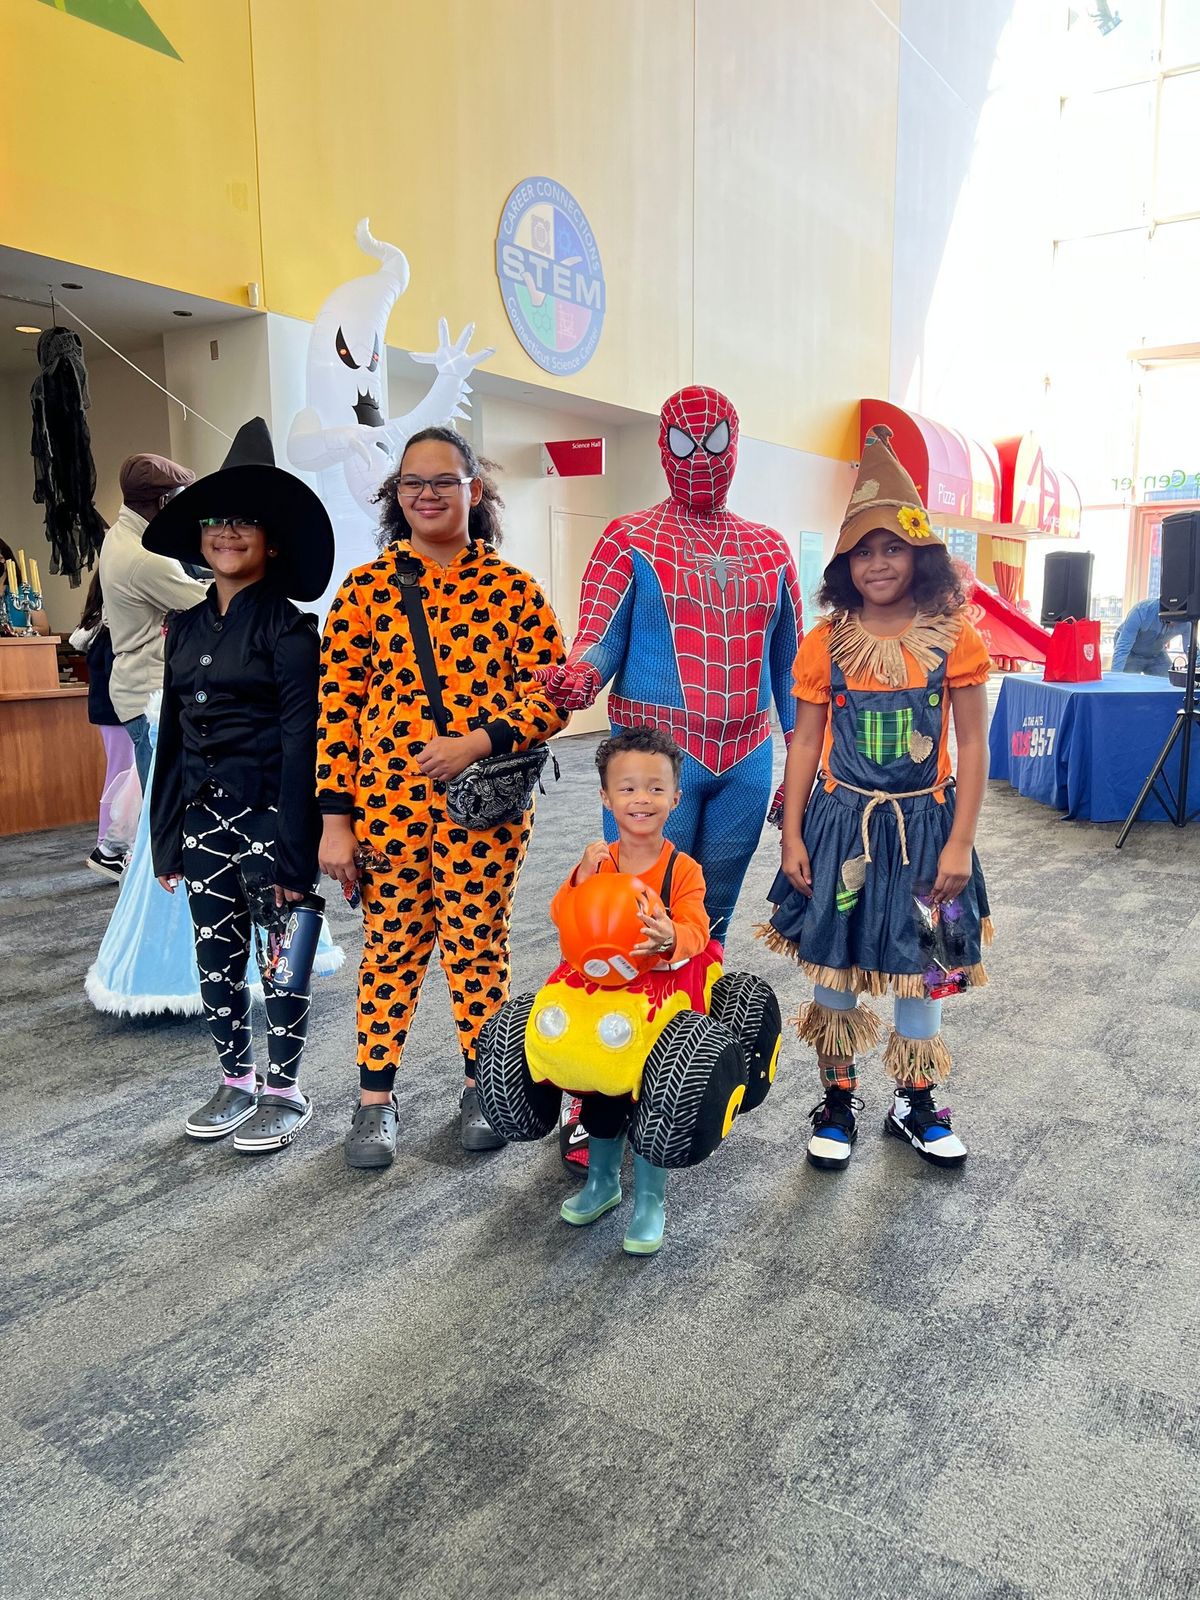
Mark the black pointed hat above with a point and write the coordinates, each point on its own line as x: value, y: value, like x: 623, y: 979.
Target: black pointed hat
x: 250, y: 485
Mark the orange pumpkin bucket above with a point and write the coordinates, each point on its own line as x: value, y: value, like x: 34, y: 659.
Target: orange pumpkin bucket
x: 599, y: 927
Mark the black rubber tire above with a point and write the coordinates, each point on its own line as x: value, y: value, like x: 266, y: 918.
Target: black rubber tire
x: 692, y: 1083
x: 518, y: 1108
x: 749, y: 1009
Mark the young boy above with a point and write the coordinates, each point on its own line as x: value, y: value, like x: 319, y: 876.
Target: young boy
x: 639, y: 784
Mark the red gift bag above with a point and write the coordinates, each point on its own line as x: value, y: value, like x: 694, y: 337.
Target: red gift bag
x: 1074, y: 653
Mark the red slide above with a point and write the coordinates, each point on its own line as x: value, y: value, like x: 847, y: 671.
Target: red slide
x: 1008, y: 633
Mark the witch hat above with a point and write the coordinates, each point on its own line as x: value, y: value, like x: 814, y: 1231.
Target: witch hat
x: 884, y: 497
x: 249, y: 485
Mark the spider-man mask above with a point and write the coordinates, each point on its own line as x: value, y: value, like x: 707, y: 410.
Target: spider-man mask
x: 698, y: 440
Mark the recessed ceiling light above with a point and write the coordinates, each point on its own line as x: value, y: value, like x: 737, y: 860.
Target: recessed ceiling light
x: 181, y: 313
x: 70, y: 286
x: 22, y: 329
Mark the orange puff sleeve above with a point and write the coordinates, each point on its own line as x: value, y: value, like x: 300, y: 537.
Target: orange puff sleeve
x: 811, y: 673
x: 968, y: 663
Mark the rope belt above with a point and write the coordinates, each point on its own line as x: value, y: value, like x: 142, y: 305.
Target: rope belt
x: 882, y: 797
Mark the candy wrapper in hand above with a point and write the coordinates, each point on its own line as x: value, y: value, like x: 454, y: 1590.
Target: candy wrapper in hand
x: 941, y: 937
x: 368, y: 860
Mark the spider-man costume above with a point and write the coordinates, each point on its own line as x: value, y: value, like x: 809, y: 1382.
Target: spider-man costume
x: 694, y: 614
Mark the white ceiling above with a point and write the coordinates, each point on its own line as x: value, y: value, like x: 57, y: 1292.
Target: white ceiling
x: 129, y: 315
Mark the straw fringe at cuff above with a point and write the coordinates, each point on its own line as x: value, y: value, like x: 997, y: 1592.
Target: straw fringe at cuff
x: 859, y: 980
x: 917, y: 1062
x: 839, y: 1033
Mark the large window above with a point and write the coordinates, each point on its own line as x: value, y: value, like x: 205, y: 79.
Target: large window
x: 1127, y: 269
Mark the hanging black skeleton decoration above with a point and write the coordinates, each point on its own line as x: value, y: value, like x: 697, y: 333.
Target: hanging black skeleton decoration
x: 64, y: 474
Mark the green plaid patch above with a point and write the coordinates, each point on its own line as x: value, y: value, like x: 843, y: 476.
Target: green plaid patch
x: 883, y: 735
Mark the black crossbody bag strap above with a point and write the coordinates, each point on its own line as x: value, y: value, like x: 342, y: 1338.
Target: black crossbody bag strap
x: 408, y: 575
x: 668, y: 875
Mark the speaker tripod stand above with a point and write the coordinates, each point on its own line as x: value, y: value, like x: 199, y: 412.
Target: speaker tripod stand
x: 1186, y: 720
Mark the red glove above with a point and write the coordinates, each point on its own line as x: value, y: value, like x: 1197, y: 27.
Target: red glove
x: 775, y: 814
x: 573, y: 687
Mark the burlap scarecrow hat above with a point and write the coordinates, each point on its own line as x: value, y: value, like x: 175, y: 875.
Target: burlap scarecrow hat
x: 884, y: 497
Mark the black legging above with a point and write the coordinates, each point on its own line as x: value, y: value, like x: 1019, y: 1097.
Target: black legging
x: 225, y: 846
x: 606, y: 1116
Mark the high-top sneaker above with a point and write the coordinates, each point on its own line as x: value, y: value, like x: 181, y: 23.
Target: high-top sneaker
x: 834, y: 1129
x: 572, y: 1136
x: 913, y: 1116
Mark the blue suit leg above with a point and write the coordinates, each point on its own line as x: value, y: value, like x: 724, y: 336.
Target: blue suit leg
x: 725, y: 833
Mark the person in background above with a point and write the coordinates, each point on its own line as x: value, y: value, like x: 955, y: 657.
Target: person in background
x: 1143, y: 638
x: 139, y: 589
x: 93, y: 640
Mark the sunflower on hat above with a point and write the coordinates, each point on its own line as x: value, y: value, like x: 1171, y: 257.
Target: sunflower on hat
x: 914, y: 522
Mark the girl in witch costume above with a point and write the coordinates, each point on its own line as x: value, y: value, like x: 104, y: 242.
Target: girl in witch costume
x: 233, y: 808
x: 882, y: 849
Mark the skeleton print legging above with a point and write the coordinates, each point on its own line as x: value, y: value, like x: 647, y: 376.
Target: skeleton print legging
x: 227, y: 848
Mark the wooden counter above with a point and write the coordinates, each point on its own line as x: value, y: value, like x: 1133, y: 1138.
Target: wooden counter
x: 51, y: 758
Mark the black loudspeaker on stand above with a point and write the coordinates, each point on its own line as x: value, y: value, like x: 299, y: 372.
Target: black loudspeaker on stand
x: 1179, y: 600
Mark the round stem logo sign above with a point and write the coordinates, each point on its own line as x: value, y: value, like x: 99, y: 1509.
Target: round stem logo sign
x: 550, y: 275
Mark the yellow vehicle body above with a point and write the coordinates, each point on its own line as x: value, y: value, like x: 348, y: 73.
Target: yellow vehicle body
x: 588, y: 1040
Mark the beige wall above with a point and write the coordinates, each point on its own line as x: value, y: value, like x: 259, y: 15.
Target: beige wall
x: 222, y: 370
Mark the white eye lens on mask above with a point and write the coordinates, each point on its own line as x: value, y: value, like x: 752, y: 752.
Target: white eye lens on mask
x: 717, y: 441
x: 680, y: 444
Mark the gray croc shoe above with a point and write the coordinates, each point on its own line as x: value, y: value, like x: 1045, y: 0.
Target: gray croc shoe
x: 477, y: 1131
x: 276, y: 1121
x: 371, y: 1141
x: 227, y: 1110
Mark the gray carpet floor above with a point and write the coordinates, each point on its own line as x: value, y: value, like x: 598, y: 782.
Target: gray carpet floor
x: 226, y: 1378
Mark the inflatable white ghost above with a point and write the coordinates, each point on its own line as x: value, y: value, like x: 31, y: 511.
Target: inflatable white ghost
x: 341, y: 435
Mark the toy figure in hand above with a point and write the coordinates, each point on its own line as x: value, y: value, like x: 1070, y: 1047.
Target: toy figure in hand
x: 638, y: 1021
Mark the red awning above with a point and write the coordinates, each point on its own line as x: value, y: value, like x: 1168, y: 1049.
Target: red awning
x: 958, y: 478
x: 1035, y: 498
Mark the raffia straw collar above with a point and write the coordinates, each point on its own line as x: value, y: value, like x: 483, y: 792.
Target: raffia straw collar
x: 861, y: 654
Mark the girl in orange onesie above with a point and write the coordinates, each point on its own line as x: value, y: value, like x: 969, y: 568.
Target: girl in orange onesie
x: 382, y: 768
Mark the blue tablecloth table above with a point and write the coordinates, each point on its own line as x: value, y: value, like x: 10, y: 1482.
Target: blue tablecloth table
x: 1087, y: 748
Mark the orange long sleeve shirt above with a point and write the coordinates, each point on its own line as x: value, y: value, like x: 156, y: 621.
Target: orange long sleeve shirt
x: 687, y: 898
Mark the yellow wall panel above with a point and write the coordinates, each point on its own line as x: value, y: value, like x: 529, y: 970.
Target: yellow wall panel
x: 736, y: 165
x: 425, y: 116
x: 795, y: 177
x: 116, y: 156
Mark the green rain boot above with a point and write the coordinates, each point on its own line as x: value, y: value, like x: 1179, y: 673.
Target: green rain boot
x: 602, y: 1191
x: 645, y: 1232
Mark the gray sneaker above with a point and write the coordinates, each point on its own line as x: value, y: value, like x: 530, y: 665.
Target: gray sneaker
x: 227, y: 1110
x: 276, y: 1121
x: 477, y: 1131
x: 371, y: 1141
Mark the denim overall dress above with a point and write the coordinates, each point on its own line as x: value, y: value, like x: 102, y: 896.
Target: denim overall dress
x: 874, y: 829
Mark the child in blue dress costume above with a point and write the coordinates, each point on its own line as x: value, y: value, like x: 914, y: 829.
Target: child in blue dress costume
x: 883, y: 845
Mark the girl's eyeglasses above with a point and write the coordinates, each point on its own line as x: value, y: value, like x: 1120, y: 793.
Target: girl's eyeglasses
x: 234, y: 524
x: 442, y: 488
